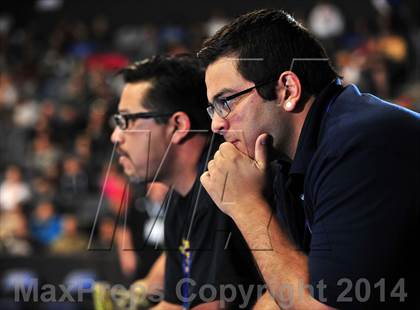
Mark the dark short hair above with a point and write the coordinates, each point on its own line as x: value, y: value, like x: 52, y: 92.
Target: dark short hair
x: 275, y: 38
x: 177, y: 84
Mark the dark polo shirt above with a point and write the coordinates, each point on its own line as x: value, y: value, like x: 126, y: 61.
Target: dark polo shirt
x: 350, y: 200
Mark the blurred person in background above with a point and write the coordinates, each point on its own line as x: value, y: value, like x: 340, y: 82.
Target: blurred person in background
x: 45, y: 225
x: 8, y: 91
x: 43, y: 189
x: 14, y: 235
x: 71, y: 240
x: 73, y: 184
x: 44, y: 156
x: 13, y: 190
x: 95, y: 129
x: 106, y: 231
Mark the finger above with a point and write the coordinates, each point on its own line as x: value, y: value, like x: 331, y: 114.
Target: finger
x: 205, y: 180
x: 261, y: 150
x: 217, y: 155
x: 226, y: 149
x: 210, y: 165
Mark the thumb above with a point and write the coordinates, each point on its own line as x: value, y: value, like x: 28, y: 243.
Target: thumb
x: 261, y: 150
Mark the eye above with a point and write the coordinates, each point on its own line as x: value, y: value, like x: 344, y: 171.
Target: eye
x: 227, y: 103
x: 218, y: 102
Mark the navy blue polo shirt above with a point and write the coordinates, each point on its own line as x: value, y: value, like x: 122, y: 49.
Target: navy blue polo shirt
x: 350, y: 200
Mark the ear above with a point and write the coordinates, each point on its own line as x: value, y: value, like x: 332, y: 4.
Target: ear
x: 180, y: 126
x: 289, y: 90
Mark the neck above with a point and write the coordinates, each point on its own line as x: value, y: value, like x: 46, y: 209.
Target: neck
x: 297, y: 122
x: 186, y: 160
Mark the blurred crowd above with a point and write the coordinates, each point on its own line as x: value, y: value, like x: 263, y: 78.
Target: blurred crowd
x: 59, y: 89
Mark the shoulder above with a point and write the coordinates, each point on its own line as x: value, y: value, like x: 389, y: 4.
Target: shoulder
x: 366, y: 140
x: 363, y: 120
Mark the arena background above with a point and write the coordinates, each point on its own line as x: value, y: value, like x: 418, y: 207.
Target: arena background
x: 58, y: 88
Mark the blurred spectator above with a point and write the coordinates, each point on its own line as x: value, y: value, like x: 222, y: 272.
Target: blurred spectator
x: 76, y: 89
x: 67, y: 123
x: 8, y: 91
x: 81, y: 45
x: 96, y: 129
x: 14, y: 234
x: 73, y: 185
x: 137, y: 41
x: 101, y: 35
x: 45, y: 155
x: 326, y: 20
x: 13, y: 190
x: 92, y: 166
x: 47, y: 111
x: 173, y: 40
x: 82, y: 148
x: 106, y: 234
x: 26, y: 114
x: 216, y: 21
x: 45, y: 224
x: 71, y: 241
x: 43, y: 189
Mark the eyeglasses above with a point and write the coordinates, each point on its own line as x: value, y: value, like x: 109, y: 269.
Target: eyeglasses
x: 222, y: 105
x: 121, y: 120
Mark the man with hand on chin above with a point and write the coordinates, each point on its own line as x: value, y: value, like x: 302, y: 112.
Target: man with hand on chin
x: 340, y: 227
x: 162, y: 134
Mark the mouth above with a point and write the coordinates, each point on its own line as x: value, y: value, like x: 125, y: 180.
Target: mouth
x: 121, y: 153
x: 235, y: 142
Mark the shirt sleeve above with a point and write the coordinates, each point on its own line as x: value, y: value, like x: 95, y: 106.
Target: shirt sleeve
x: 363, y: 227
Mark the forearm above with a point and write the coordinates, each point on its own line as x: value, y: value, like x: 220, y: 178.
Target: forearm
x: 283, y: 266
x: 156, y: 276
x: 126, y: 255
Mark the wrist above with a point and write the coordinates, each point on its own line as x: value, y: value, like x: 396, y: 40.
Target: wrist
x: 251, y: 208
x: 254, y: 224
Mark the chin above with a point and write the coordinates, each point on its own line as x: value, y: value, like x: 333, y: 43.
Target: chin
x: 129, y: 172
x: 243, y: 148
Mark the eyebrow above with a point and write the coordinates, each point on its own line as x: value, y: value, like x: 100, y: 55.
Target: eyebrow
x: 123, y: 111
x: 222, y: 92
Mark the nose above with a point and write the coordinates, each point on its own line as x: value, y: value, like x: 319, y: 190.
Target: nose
x: 117, y: 135
x: 219, y: 124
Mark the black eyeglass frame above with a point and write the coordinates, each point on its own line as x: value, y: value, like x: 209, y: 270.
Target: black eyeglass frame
x: 132, y: 116
x: 224, y: 112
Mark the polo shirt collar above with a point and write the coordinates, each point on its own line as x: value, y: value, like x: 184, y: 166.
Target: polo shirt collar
x: 312, y: 128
